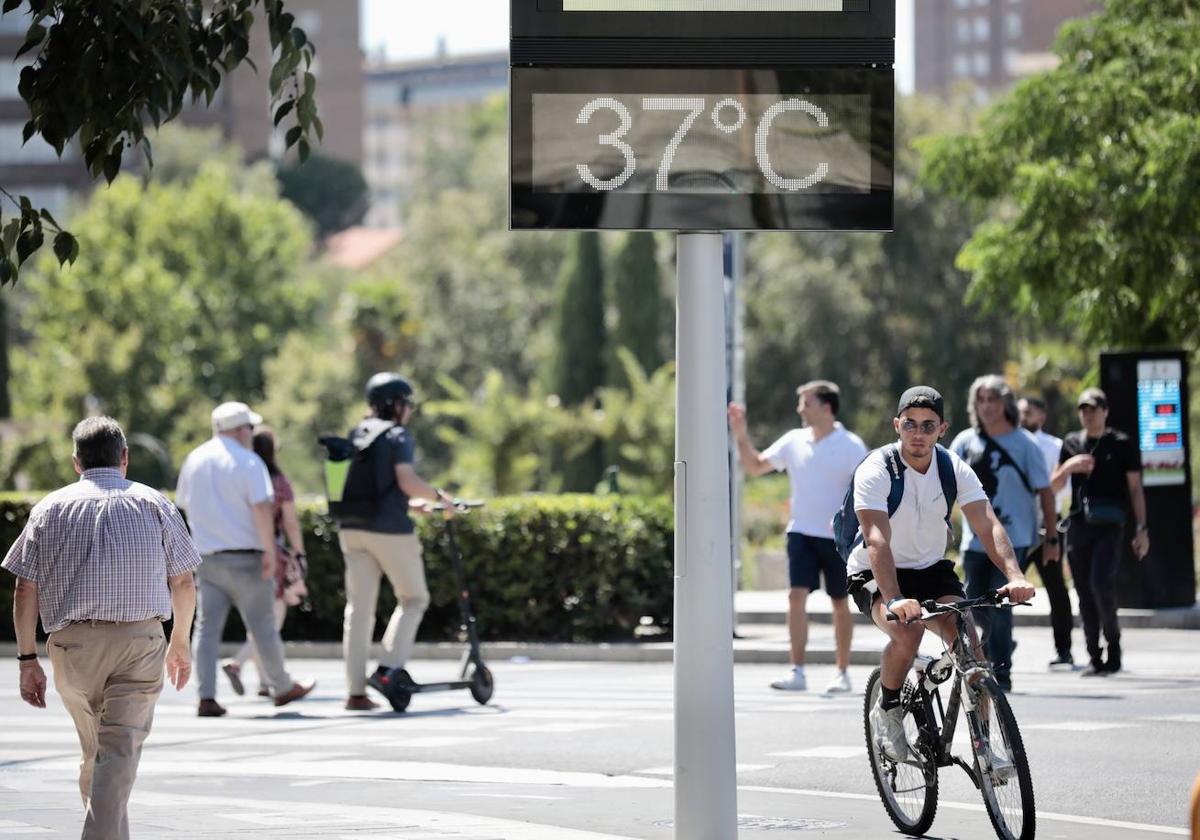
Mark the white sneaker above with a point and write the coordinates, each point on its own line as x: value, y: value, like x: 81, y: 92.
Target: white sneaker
x: 1002, y: 768
x: 840, y: 684
x: 794, y: 681
x: 888, y: 726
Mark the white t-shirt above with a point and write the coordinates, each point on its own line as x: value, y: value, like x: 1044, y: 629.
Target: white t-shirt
x: 219, y: 483
x: 1051, y: 448
x: 819, y: 473
x: 919, y: 535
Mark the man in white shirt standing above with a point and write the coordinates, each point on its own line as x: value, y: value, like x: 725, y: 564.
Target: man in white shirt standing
x: 227, y: 494
x: 819, y: 459
x: 900, y: 559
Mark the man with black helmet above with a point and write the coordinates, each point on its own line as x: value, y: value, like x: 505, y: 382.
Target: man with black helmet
x: 377, y: 538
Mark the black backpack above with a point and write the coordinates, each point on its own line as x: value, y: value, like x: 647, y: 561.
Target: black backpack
x: 847, y: 535
x: 351, y: 480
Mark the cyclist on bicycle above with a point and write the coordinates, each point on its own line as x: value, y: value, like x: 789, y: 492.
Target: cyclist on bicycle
x: 900, y: 560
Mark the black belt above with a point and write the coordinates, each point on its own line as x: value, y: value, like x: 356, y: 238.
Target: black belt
x: 239, y: 551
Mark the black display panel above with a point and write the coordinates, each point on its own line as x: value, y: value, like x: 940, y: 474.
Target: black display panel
x: 801, y: 148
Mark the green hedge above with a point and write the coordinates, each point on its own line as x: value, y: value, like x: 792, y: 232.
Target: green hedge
x: 540, y: 568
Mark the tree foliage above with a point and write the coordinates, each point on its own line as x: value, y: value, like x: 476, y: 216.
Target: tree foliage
x: 331, y: 192
x: 640, y: 304
x: 637, y: 423
x: 1091, y: 171
x: 181, y: 294
x: 875, y: 313
x: 104, y: 70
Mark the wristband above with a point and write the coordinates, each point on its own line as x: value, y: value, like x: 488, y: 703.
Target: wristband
x: 1142, y: 526
x: 894, y: 600
x: 26, y: 657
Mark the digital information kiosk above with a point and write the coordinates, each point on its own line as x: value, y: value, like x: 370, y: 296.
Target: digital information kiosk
x: 702, y: 116
x: 1148, y: 400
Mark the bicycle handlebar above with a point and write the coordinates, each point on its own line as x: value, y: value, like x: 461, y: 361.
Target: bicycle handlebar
x: 932, y: 608
x: 460, y: 505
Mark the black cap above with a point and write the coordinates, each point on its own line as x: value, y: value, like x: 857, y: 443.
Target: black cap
x: 922, y: 396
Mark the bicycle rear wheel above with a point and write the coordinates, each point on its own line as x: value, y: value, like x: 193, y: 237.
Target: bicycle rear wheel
x: 908, y: 789
x: 1001, y: 764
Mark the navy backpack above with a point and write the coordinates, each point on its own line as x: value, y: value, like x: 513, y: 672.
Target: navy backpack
x: 847, y: 535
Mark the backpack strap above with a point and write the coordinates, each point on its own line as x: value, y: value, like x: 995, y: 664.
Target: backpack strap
x: 948, y: 479
x: 895, y: 468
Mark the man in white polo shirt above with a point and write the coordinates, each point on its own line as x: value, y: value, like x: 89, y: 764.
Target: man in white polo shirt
x: 227, y: 494
x: 819, y: 459
x: 900, y: 560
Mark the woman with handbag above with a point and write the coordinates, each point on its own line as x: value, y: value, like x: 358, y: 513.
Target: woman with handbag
x: 291, y: 567
x: 1105, y: 470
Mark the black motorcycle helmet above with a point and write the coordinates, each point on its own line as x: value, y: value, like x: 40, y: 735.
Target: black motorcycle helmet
x: 385, y: 390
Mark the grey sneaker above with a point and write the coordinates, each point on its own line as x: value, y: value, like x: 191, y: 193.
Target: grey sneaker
x: 840, y: 684
x: 888, y: 726
x: 794, y: 681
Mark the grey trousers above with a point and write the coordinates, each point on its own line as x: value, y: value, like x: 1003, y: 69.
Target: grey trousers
x: 225, y: 580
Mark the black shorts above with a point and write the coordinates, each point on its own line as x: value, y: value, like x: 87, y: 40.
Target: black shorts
x: 936, y: 581
x: 811, y: 557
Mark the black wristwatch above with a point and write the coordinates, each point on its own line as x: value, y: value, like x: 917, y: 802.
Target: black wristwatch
x: 26, y: 657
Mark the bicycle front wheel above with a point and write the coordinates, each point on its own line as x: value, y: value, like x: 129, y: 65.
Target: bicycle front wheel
x: 908, y: 789
x: 1000, y: 764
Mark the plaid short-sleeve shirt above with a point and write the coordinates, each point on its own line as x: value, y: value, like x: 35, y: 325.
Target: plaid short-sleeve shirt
x: 102, y: 549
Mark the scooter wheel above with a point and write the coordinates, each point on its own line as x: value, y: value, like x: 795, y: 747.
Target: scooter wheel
x: 482, y: 685
x: 398, y: 693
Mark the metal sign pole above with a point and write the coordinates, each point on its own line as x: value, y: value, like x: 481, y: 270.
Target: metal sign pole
x: 705, y: 774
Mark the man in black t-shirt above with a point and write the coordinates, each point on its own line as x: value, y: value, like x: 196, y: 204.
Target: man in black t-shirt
x: 382, y: 541
x: 1105, y: 469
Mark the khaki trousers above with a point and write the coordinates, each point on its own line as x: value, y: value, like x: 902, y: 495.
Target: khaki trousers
x: 369, y: 556
x: 109, y: 676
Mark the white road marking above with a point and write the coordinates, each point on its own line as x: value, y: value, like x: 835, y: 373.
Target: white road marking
x: 965, y: 806
x: 823, y: 752
x: 562, y: 728
x: 509, y: 796
x: 1077, y: 726
x: 1185, y: 718
x: 412, y: 771
x: 14, y: 827
x: 670, y: 771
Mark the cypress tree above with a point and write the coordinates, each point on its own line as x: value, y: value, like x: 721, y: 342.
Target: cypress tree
x: 577, y: 370
x: 638, y: 289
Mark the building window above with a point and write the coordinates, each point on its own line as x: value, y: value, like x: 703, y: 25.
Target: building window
x: 37, y: 150
x: 10, y: 77
x: 962, y: 66
x: 310, y: 21
x: 962, y: 31
x: 962, y: 4
x: 983, y: 29
x: 1013, y: 25
x: 982, y: 64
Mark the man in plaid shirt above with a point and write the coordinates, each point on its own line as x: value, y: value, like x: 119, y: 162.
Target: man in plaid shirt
x: 105, y: 562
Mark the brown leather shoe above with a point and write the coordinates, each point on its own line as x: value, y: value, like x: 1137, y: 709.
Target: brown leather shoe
x: 360, y: 703
x: 298, y: 690
x: 210, y: 708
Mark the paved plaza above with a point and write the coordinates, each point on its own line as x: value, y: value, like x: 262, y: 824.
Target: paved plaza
x: 583, y: 751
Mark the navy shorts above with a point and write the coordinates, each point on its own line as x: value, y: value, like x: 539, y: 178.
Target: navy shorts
x: 811, y: 557
x: 927, y: 584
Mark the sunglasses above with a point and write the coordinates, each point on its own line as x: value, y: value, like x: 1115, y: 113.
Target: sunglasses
x: 927, y: 427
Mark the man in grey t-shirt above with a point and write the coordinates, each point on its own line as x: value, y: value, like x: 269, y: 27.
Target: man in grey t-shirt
x: 1013, y: 473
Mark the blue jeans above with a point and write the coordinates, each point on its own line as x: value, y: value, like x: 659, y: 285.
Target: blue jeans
x: 996, y: 625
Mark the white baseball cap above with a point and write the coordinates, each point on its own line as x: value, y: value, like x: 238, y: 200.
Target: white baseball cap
x: 231, y: 415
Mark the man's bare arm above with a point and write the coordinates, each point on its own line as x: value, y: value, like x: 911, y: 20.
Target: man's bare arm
x: 183, y: 609
x: 25, y: 619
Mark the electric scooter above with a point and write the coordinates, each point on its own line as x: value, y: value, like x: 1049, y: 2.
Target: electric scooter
x: 399, y: 687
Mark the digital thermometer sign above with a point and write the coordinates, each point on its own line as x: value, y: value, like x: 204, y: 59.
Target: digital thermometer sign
x: 702, y: 114
x: 1160, y: 421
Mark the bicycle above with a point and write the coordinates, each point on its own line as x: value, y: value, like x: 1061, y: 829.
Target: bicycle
x: 999, y: 767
